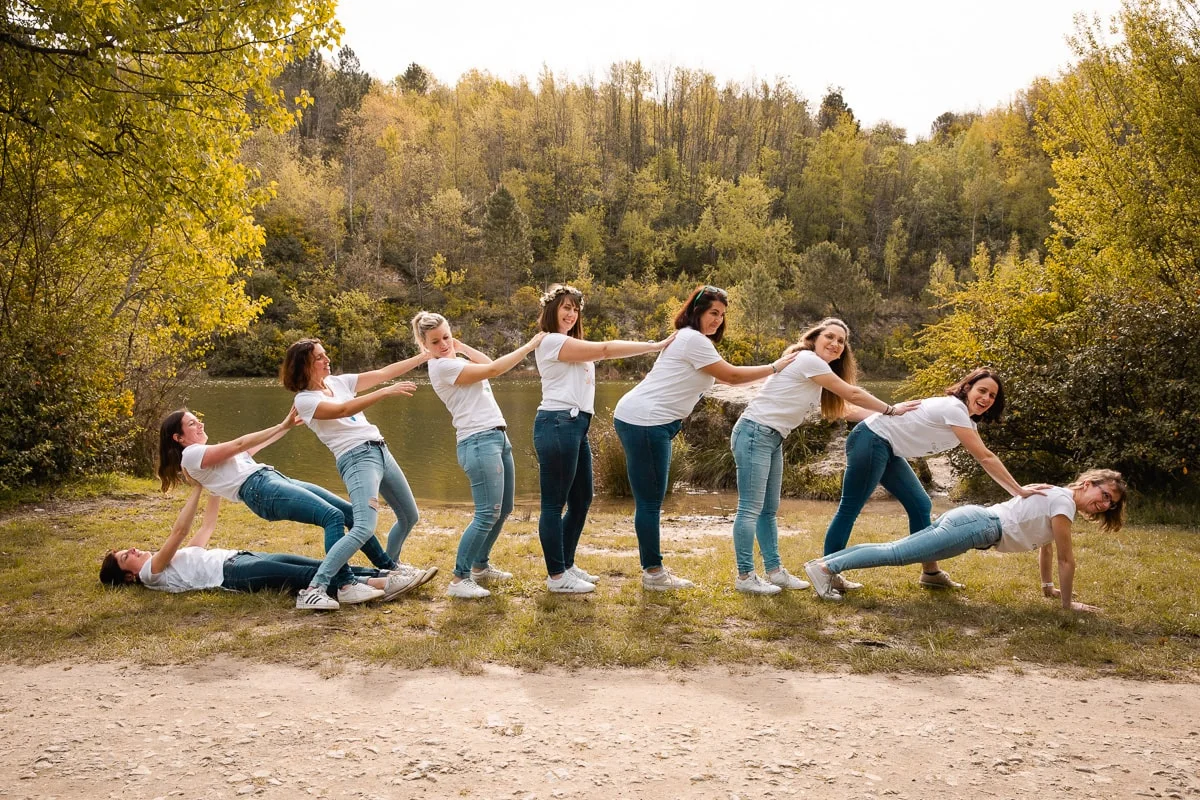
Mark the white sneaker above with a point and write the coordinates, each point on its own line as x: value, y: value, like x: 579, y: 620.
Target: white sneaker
x: 786, y: 580
x: 822, y: 580
x: 664, y: 581
x: 314, y: 598
x: 569, y: 584
x: 583, y: 575
x: 466, y: 589
x: 353, y: 593
x: 755, y: 585
x: 490, y: 574
x: 400, y: 582
x: 843, y: 585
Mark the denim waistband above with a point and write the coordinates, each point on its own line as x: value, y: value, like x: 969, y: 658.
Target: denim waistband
x: 255, y: 477
x: 764, y: 428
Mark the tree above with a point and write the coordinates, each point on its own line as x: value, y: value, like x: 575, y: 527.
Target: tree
x: 506, y: 240
x: 757, y: 301
x: 834, y: 285
x: 834, y: 110
x: 415, y: 79
x: 1101, y: 342
x: 123, y: 208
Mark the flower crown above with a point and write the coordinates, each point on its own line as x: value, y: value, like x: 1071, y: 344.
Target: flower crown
x: 562, y: 288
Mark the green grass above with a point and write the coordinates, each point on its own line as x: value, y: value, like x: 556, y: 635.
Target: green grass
x: 55, y: 609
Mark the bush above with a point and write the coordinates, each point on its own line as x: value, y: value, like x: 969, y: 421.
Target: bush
x: 63, y: 414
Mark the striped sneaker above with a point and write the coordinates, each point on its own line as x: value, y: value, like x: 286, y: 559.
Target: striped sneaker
x: 314, y: 598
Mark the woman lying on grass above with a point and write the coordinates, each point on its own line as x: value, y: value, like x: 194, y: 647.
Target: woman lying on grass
x: 183, y: 569
x: 1014, y: 526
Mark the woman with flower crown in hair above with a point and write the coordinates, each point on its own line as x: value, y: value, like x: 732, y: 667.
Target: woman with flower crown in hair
x: 565, y: 361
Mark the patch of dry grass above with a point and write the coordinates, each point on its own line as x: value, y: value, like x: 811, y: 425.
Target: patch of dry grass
x: 55, y: 609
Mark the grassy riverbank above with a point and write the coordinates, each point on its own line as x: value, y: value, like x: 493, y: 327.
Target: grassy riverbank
x: 55, y: 609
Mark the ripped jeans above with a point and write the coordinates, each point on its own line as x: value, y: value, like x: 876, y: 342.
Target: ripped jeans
x: 370, y: 471
x: 487, y: 459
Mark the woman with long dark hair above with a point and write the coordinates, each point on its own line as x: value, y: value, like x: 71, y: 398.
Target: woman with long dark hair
x: 229, y: 471
x: 878, y: 448
x: 650, y: 415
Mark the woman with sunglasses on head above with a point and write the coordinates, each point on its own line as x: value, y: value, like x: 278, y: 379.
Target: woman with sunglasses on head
x: 228, y: 470
x: 1014, y: 526
x: 333, y: 409
x: 560, y: 430
x: 820, y: 381
x: 484, y: 451
x: 878, y: 448
x: 650, y: 415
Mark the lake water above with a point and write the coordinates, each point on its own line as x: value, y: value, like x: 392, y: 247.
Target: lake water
x: 417, y: 429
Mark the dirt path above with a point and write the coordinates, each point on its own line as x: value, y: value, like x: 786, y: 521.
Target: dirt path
x: 232, y: 729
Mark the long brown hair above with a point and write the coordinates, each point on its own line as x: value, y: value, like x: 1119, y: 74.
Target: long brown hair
x: 833, y: 406
x: 1114, y: 517
x: 555, y: 296
x: 170, y: 451
x: 297, y: 362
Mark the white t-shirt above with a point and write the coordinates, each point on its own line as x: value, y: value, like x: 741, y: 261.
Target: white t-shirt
x: 225, y: 478
x: 925, y: 431
x: 339, y: 435
x: 192, y: 568
x: 674, y: 384
x: 565, y: 384
x: 789, y: 398
x: 1026, y: 520
x: 472, y: 408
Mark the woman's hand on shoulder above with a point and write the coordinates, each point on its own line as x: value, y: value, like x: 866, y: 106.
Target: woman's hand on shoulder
x: 536, y: 340
x: 784, y: 360
x: 1030, y: 489
x: 900, y: 409
x: 663, y: 344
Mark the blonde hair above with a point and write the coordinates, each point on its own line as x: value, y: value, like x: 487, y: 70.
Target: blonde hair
x: 844, y: 366
x: 1114, y: 517
x: 423, y: 323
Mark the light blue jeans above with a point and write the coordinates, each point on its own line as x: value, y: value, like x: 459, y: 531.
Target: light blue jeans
x: 869, y: 463
x: 758, y: 453
x: 957, y: 531
x: 487, y: 459
x: 369, y: 472
x: 274, y: 496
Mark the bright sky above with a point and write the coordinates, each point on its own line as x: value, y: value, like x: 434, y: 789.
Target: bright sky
x: 903, y: 62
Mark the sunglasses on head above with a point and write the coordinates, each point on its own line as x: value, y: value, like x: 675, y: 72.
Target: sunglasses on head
x: 714, y: 291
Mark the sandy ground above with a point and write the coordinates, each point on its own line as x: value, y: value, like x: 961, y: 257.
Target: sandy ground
x: 231, y: 728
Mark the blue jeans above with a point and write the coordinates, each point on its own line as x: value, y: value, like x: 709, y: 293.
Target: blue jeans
x: 957, y: 531
x: 250, y: 572
x: 869, y: 463
x: 274, y: 496
x: 565, y: 469
x: 648, y: 465
x: 758, y: 453
x: 370, y: 471
x: 487, y: 459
